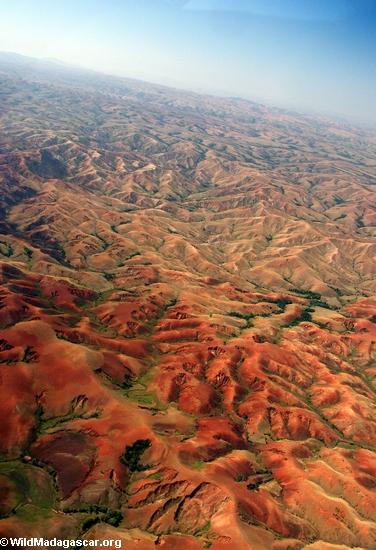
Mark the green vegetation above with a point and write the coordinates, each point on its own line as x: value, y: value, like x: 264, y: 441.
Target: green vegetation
x: 32, y: 513
x: 338, y: 291
x: 314, y: 298
x: 359, y: 222
x: 324, y: 326
x: 246, y: 316
x: 133, y: 453
x: 304, y: 316
x: 157, y: 476
x: 241, y: 477
x: 320, y: 303
x: 28, y: 252
x: 132, y: 255
x: 137, y: 390
x: 269, y: 237
x: 240, y: 315
x: 141, y: 396
x: 198, y: 464
x: 31, y: 489
x: 45, y: 424
x: 205, y: 528
x: 127, y: 382
x: 307, y: 293
x: 254, y: 485
x: 29, y: 355
x: 102, y: 514
x: 113, y: 517
x: 49, y: 166
x: 8, y: 252
x: 338, y: 200
x: 89, y: 522
x: 282, y: 302
x: 58, y: 252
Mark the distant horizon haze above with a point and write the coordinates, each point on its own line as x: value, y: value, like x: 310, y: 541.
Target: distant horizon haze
x: 317, y: 56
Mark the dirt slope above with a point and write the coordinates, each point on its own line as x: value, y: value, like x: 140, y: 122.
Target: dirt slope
x: 187, y: 314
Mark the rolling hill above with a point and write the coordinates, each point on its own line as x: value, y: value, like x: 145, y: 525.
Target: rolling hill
x: 188, y: 317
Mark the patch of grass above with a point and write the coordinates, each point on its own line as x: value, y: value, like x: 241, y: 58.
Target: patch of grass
x: 198, y: 464
x: 32, y: 490
x: 141, y: 396
x: 32, y: 513
x: 50, y: 423
x: 157, y: 476
x: 205, y: 528
x: 146, y: 377
x: 146, y: 399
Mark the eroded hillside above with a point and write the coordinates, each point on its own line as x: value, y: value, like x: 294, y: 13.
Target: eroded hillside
x: 188, y: 307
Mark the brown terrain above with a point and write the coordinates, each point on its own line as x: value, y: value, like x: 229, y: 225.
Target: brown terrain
x: 188, y: 318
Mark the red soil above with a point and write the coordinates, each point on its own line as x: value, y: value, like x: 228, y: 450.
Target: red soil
x: 187, y: 313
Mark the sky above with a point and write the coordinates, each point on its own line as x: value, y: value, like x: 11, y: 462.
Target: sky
x: 309, y: 55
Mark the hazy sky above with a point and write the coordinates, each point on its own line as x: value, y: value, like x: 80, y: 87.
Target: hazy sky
x: 317, y: 55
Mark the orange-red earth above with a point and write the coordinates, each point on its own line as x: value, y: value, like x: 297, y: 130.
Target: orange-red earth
x: 187, y: 314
